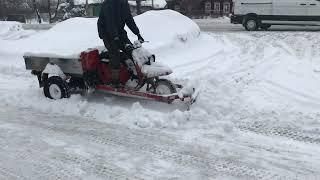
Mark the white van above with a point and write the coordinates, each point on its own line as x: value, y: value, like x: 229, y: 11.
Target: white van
x: 255, y: 14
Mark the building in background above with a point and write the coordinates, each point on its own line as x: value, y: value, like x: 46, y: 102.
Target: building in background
x: 25, y: 11
x: 92, y: 8
x: 202, y: 8
x: 147, y: 5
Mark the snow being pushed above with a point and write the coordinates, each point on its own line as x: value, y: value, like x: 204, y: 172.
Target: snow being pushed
x: 69, y: 38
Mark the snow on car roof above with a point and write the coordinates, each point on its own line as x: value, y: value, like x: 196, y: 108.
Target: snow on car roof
x: 157, y: 4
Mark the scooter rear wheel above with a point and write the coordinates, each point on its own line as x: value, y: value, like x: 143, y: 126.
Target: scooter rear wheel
x: 55, y: 88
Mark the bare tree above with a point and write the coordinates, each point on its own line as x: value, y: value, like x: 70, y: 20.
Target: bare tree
x: 36, y: 10
x: 87, y: 7
x: 138, y: 2
x: 52, y: 16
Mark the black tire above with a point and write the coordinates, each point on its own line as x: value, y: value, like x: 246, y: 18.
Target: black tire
x: 55, y: 83
x: 265, y: 26
x: 169, y: 88
x: 251, y: 23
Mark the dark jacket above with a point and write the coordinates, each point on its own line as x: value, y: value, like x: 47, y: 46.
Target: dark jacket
x: 114, y: 15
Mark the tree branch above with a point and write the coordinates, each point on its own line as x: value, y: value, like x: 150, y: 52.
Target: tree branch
x: 55, y: 13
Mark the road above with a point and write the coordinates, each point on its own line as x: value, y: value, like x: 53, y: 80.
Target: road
x: 208, y: 26
x: 205, y: 26
x: 35, y: 145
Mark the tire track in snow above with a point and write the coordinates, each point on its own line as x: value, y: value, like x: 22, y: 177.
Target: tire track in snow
x: 209, y: 165
x: 6, y: 173
x: 57, y: 165
x: 31, y: 160
x: 102, y: 169
x: 267, y: 129
x: 151, y: 144
x: 40, y: 167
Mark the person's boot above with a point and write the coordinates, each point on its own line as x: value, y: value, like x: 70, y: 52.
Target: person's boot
x: 115, y: 78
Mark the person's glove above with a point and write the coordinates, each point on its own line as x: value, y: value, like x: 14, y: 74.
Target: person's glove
x: 140, y: 38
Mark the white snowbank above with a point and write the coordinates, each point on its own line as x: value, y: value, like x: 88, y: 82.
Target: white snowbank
x: 69, y: 38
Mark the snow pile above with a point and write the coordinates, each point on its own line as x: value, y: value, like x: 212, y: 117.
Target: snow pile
x: 166, y: 27
x: 66, y: 39
x: 69, y: 38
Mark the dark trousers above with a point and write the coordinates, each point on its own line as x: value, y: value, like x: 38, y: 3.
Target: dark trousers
x: 114, y: 48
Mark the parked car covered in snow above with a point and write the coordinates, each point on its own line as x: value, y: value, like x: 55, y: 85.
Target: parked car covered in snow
x: 255, y: 14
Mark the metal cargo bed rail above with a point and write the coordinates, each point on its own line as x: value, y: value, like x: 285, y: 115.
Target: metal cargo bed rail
x: 68, y: 66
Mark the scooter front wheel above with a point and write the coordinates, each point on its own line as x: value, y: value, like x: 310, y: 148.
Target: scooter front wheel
x: 165, y: 87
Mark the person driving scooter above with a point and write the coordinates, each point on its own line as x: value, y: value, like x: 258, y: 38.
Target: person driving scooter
x: 114, y: 15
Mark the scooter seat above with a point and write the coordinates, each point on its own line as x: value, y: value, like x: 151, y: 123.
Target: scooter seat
x: 156, y: 69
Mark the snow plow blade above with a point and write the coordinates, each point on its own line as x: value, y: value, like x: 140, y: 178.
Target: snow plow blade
x: 194, y: 96
x: 187, y: 96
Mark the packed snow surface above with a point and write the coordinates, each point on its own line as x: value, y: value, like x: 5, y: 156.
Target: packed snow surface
x: 257, y: 116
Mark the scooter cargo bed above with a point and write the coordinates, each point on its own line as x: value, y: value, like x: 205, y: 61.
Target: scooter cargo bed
x: 68, y: 66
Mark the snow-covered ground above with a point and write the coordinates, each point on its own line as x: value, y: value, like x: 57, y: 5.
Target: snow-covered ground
x: 257, y: 116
